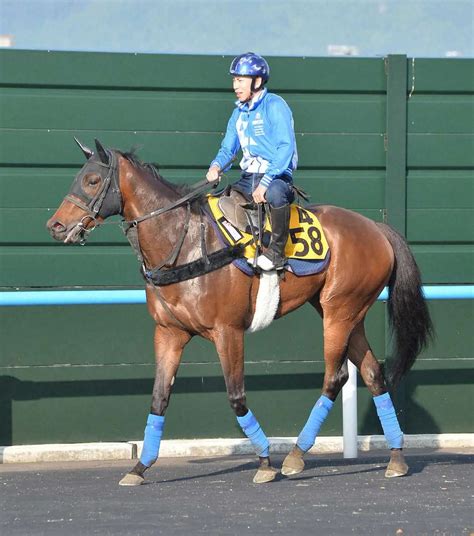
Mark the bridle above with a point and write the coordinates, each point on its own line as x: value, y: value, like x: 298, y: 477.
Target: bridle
x: 106, y: 202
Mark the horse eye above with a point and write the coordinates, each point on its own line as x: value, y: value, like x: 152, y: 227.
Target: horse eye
x: 95, y: 179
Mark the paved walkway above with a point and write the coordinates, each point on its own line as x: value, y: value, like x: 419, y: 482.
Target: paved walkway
x: 216, y: 496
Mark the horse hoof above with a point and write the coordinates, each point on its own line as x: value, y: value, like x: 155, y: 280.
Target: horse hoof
x: 131, y: 479
x: 265, y: 474
x: 397, y: 465
x: 293, y: 464
x: 399, y: 470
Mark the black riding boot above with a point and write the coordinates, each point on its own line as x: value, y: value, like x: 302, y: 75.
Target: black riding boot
x: 275, y: 253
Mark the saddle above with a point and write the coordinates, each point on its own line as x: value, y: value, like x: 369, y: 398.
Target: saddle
x: 236, y: 220
x: 240, y: 211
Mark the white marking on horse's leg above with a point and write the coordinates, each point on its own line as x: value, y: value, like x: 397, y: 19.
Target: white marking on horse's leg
x: 268, y: 298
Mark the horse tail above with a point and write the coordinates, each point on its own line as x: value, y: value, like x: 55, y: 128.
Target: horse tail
x: 409, y: 317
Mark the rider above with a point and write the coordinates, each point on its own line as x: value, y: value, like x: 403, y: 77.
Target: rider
x: 262, y: 126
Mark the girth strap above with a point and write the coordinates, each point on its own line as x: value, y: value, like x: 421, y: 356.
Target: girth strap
x: 215, y: 260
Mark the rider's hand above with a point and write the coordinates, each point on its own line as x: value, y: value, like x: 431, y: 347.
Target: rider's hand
x: 259, y: 194
x: 213, y: 174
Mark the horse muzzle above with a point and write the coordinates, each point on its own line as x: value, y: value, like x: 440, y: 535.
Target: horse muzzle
x: 74, y: 233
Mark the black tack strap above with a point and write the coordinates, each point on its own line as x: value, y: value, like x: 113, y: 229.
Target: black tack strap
x: 167, y: 309
x: 203, y: 237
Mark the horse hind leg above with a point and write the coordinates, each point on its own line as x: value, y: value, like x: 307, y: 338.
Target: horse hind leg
x: 363, y: 358
x: 336, y: 337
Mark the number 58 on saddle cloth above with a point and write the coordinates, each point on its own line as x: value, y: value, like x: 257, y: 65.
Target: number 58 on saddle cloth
x: 307, y: 248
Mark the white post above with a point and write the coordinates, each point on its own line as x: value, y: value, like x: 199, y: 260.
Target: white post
x: 349, y: 413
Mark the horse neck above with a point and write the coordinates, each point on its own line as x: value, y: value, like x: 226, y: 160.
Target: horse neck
x: 143, y: 193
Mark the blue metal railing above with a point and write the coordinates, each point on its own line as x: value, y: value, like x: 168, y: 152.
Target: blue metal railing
x: 107, y: 297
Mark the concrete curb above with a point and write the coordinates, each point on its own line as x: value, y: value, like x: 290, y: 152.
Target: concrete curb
x: 67, y: 452
x: 212, y: 447
x: 281, y: 445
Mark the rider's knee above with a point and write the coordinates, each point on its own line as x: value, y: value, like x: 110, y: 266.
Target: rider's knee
x: 279, y: 193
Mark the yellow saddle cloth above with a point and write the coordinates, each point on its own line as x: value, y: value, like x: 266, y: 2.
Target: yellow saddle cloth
x: 306, y: 239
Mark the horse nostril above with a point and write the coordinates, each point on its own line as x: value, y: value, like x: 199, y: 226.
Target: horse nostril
x: 58, y: 227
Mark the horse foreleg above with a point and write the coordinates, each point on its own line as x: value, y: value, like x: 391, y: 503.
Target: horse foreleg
x: 361, y: 355
x: 169, y: 345
x: 230, y: 347
x: 336, y: 336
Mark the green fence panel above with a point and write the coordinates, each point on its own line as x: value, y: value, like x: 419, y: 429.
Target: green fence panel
x: 14, y: 230
x: 182, y: 149
x: 445, y: 263
x: 441, y: 114
x: 167, y: 111
x: 45, y: 187
x: 104, y: 374
x: 440, y: 189
x: 74, y: 266
x: 448, y: 151
x: 435, y: 75
x: 82, y: 69
x: 96, y: 362
x: 440, y: 225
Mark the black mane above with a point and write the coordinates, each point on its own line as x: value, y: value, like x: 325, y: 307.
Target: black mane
x: 180, y: 189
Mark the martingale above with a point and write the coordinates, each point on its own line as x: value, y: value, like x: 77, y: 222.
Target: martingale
x: 306, y: 240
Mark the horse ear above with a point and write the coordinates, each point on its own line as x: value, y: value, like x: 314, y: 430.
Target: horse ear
x: 87, y: 152
x: 101, y: 152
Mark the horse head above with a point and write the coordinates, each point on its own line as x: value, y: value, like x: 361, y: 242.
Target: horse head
x: 94, y: 196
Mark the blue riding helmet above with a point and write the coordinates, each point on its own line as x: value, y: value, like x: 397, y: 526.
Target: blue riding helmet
x: 250, y: 64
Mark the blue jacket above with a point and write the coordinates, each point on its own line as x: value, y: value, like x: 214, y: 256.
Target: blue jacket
x: 263, y: 129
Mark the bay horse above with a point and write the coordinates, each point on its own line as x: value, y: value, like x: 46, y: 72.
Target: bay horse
x: 169, y: 233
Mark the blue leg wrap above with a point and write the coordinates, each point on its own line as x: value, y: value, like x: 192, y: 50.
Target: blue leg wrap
x: 318, y: 415
x: 389, y: 421
x: 254, y: 432
x: 152, y: 440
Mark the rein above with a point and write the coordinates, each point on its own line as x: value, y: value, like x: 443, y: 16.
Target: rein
x: 196, y: 191
x: 103, y: 201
